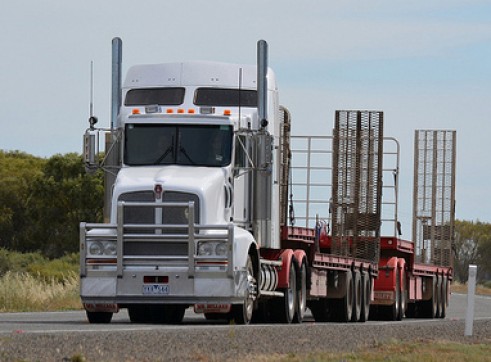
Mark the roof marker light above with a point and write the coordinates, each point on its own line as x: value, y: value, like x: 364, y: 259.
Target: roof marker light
x: 191, y: 111
x: 180, y: 110
x: 135, y: 111
x: 227, y: 112
x: 170, y: 110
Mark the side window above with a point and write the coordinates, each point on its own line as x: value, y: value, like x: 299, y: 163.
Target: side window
x: 240, y: 151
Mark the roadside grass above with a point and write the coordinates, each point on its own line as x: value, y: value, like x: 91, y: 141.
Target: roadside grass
x: 31, y: 283
x: 420, y: 351
x: 23, y: 292
x: 456, y: 287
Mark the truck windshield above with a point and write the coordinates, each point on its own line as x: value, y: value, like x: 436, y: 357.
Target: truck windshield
x: 196, y: 145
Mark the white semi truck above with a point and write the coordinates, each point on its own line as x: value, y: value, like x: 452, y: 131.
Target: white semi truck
x: 199, y: 179
x: 196, y: 196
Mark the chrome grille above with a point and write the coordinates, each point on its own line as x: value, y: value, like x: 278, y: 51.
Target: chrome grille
x: 170, y: 247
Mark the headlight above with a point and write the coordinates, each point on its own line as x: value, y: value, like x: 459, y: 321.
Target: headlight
x: 205, y: 249
x: 212, y: 248
x: 102, y: 248
x: 96, y: 248
x: 221, y: 249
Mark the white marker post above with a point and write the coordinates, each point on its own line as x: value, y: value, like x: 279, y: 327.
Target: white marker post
x: 471, y: 296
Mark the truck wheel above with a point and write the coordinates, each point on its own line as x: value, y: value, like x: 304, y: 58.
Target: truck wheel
x: 365, y: 297
x: 393, y: 312
x: 301, y: 294
x: 357, y: 296
x: 443, y: 310
x: 140, y: 313
x: 429, y: 308
x: 173, y: 313
x: 99, y: 317
x: 284, y: 308
x: 344, y: 306
x: 433, y: 302
x: 242, y: 313
x: 403, y: 296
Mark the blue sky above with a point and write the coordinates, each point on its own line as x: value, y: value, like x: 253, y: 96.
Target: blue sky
x: 427, y: 65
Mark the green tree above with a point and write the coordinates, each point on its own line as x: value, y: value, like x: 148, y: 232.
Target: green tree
x: 61, y: 198
x: 472, y: 246
x: 18, y: 171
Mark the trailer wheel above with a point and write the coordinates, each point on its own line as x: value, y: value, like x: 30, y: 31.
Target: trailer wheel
x: 357, y: 296
x: 443, y: 310
x: 99, y: 317
x: 433, y: 302
x: 301, y: 294
x: 242, y: 313
x: 365, y: 297
x: 403, y: 296
x: 393, y: 312
x: 284, y: 309
x: 439, y: 296
x: 429, y: 308
x: 344, y: 306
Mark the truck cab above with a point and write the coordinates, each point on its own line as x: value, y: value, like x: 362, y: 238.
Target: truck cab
x: 184, y: 227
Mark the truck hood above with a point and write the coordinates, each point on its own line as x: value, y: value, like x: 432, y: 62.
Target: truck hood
x: 206, y: 182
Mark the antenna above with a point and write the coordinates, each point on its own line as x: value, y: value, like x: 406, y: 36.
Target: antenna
x: 92, y: 119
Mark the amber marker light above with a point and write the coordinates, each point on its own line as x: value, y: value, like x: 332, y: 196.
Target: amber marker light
x: 227, y: 112
x: 135, y: 111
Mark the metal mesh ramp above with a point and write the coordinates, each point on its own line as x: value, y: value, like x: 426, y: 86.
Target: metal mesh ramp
x: 357, y: 184
x: 434, y: 196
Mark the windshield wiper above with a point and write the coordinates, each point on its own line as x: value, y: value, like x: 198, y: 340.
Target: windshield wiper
x: 164, y: 155
x: 181, y: 149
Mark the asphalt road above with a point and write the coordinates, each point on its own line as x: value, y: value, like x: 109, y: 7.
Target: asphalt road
x: 75, y: 321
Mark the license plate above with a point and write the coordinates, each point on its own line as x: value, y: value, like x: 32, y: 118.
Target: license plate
x: 158, y: 289
x: 212, y: 308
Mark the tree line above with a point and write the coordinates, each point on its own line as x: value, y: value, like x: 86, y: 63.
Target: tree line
x: 43, y: 201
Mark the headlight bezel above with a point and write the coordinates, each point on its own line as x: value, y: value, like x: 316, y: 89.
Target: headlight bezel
x: 212, y: 248
x: 102, y: 248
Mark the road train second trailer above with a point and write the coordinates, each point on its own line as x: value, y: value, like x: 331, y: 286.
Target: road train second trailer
x: 204, y: 190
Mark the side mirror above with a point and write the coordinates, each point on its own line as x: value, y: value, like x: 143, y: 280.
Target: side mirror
x: 91, y: 150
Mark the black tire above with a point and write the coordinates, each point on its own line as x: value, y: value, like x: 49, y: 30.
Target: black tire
x: 174, y: 313
x: 284, y: 308
x: 357, y: 296
x: 444, y: 294
x: 242, y: 313
x: 439, y: 282
x: 393, y: 312
x: 99, y: 317
x: 215, y: 316
x: 365, y: 297
x: 429, y: 308
x: 140, y: 313
x: 403, y: 296
x: 301, y: 294
x: 343, y: 307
